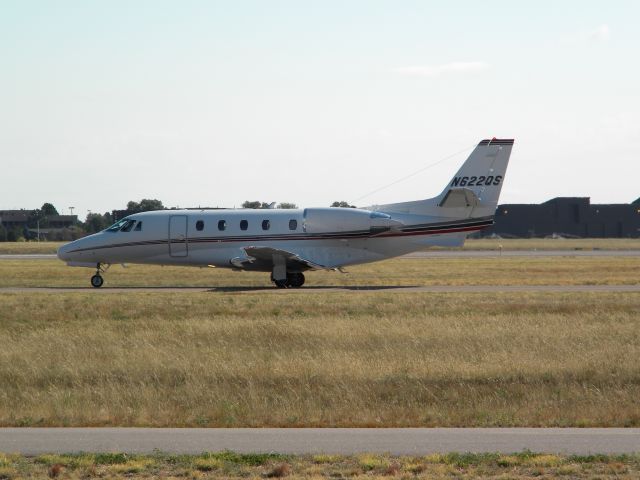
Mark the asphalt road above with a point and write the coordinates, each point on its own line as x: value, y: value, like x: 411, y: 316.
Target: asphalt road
x: 398, y: 441
x: 522, y: 253
x: 28, y: 256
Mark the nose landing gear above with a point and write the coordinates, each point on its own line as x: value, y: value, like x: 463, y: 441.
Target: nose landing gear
x: 97, y: 280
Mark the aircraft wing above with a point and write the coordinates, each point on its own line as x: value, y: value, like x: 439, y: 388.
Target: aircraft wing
x: 267, y: 256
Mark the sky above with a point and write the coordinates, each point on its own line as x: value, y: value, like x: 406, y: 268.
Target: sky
x: 211, y: 103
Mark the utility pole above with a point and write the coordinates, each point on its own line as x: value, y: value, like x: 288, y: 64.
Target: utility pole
x: 71, y: 210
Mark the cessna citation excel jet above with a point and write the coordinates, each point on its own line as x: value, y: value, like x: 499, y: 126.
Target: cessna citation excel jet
x: 289, y: 242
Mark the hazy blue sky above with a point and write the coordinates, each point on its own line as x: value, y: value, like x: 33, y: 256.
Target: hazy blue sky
x: 212, y: 103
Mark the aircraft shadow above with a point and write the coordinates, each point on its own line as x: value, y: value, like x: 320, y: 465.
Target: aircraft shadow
x: 319, y: 288
x: 223, y: 289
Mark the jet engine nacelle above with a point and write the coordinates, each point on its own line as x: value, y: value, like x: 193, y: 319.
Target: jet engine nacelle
x: 328, y: 220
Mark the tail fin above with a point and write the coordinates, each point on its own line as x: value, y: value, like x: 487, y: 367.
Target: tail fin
x: 473, y: 191
x: 478, y: 183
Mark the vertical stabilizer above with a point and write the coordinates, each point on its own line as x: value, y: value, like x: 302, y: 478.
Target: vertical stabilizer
x: 473, y: 191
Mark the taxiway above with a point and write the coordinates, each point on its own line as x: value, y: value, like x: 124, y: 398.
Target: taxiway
x: 396, y: 441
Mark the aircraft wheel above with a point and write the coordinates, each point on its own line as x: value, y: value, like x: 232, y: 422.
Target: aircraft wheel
x: 295, y: 280
x: 97, y: 281
x: 281, y: 283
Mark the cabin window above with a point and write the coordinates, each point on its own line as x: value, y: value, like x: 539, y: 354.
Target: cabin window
x: 266, y: 224
x: 222, y: 225
x: 127, y: 226
x: 244, y: 224
x: 199, y: 225
x: 138, y: 227
x: 293, y: 224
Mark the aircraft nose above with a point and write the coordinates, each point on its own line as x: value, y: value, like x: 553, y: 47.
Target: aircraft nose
x: 63, y: 252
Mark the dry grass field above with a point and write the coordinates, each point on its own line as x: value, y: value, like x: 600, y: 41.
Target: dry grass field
x: 26, y: 248
x: 259, y: 466
x: 243, y: 357
x: 375, y: 358
x: 396, y: 272
x: 470, y: 244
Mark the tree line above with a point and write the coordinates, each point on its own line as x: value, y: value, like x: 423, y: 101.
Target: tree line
x: 96, y: 222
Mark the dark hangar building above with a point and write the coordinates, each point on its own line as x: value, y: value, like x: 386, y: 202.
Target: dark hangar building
x: 567, y: 216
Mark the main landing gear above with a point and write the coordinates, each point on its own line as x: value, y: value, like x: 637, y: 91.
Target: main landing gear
x: 293, y: 280
x: 97, y: 280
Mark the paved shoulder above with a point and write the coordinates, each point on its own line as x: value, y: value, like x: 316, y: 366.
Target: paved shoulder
x: 398, y: 441
x: 521, y: 253
x: 28, y: 256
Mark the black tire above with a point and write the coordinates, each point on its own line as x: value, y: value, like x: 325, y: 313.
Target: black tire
x: 295, y: 280
x: 97, y: 281
x: 281, y: 283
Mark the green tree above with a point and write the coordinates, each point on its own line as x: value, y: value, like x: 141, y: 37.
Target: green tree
x: 256, y: 204
x: 14, y: 235
x: 48, y: 209
x: 342, y: 204
x: 36, y: 216
x: 145, y: 205
x: 95, y: 223
x: 41, y: 215
x: 287, y: 205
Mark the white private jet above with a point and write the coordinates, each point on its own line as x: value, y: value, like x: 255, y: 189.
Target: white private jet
x: 289, y: 242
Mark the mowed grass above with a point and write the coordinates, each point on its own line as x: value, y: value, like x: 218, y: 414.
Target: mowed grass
x: 395, y: 272
x: 552, y: 244
x: 524, y: 465
x: 26, y: 248
x: 470, y: 244
x: 317, y: 359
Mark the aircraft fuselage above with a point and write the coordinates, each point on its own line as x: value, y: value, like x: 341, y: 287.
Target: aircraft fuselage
x: 330, y: 238
x: 289, y: 242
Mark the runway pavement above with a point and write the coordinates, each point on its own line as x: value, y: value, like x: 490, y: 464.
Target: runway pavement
x: 335, y: 289
x: 522, y: 253
x: 397, y: 441
x: 28, y: 256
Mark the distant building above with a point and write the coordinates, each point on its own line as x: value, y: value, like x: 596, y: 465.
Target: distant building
x: 50, y: 226
x: 567, y: 216
x: 11, y: 219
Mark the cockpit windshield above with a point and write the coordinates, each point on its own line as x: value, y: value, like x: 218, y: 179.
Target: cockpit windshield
x: 128, y: 226
x: 124, y: 225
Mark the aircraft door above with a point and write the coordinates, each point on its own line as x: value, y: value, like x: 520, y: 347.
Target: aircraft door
x: 178, y: 244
